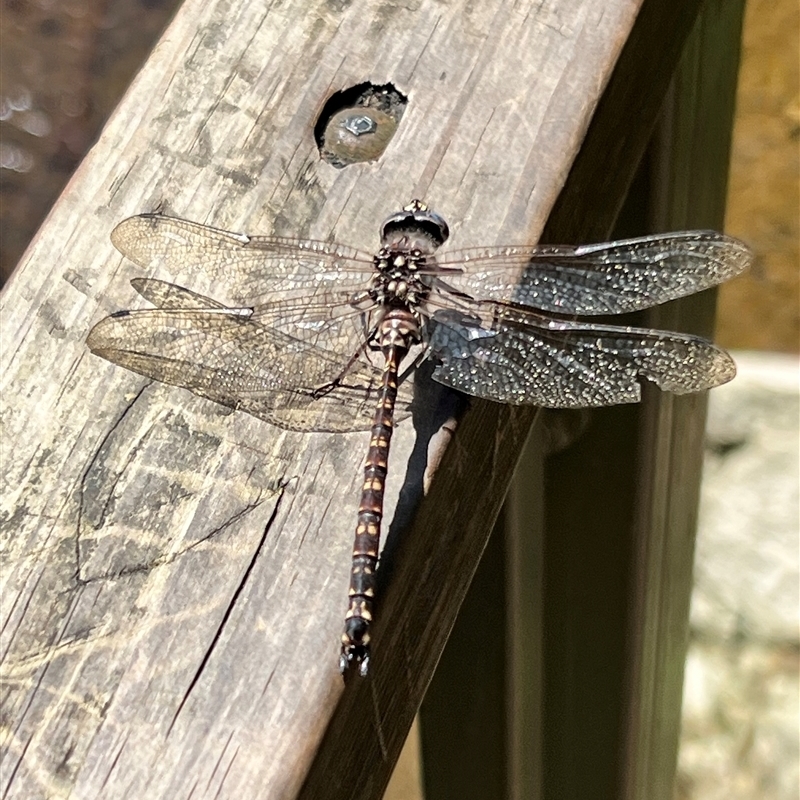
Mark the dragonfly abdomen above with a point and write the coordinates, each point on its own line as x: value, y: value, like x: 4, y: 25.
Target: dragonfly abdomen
x: 398, y: 330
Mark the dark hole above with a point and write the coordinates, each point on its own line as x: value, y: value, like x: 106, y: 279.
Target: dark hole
x: 356, y: 124
x: 336, y: 102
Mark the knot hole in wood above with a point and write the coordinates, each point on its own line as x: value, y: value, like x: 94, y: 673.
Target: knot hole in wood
x: 357, y: 124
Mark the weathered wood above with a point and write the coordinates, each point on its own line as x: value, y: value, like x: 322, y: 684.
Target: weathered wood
x: 174, y: 576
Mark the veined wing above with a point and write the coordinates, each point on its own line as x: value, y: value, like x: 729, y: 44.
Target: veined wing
x: 328, y: 320
x: 171, y: 296
x: 612, y: 278
x: 247, y: 267
x: 527, y: 358
x: 225, y: 355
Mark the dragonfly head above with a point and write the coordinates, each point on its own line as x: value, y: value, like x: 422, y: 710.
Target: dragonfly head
x: 416, y: 227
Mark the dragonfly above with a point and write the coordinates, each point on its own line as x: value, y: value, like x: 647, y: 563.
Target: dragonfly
x: 312, y: 334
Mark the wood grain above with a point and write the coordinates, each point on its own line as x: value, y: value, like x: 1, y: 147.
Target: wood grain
x: 175, y: 575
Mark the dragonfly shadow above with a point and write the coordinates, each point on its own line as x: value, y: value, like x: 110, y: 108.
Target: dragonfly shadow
x: 433, y: 407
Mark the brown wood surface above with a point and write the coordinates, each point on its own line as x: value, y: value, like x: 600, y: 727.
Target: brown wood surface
x: 174, y: 575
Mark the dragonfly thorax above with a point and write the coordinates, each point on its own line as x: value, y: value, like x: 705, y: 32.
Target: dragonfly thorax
x: 397, y: 281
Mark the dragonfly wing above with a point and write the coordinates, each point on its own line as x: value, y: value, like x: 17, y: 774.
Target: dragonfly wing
x: 247, y: 266
x: 530, y: 359
x: 329, y: 320
x: 168, y: 295
x: 612, y: 278
x: 227, y: 357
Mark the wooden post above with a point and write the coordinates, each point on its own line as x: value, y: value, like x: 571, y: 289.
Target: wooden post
x: 596, y: 591
x: 175, y: 575
x: 688, y: 181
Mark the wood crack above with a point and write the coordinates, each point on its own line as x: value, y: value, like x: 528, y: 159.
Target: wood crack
x: 228, y: 611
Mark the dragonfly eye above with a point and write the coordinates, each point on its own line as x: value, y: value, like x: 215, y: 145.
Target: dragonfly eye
x: 422, y: 219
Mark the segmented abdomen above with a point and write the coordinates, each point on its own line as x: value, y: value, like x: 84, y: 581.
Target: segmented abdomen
x: 355, y: 640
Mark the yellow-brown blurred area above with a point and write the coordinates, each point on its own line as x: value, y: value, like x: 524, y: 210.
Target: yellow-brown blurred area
x: 761, y: 311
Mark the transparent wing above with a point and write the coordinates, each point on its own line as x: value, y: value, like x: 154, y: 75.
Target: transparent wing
x: 168, y: 295
x: 227, y: 356
x: 329, y: 321
x: 527, y: 358
x: 612, y: 278
x: 246, y: 267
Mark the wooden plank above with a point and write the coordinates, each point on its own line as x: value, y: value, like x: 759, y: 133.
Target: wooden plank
x: 456, y: 724
x: 523, y: 527
x: 175, y: 575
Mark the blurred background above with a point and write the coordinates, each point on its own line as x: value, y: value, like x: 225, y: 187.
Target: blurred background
x: 64, y: 66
